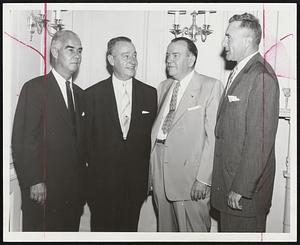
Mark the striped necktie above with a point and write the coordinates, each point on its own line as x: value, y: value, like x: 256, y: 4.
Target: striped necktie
x: 171, y: 114
x: 230, y: 79
x: 125, y: 111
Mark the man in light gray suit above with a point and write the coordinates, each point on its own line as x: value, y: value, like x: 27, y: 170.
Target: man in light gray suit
x: 244, y: 162
x: 183, y: 142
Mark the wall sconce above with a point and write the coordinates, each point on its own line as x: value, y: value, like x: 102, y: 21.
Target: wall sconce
x: 36, y: 23
x: 193, y: 30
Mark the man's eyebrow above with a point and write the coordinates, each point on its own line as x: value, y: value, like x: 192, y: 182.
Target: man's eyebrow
x: 227, y: 35
x: 70, y: 46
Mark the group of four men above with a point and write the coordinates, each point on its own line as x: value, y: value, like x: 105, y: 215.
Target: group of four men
x: 205, y: 145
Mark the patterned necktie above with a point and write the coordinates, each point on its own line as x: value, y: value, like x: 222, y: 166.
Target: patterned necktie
x: 125, y: 112
x: 71, y: 105
x: 230, y: 79
x: 171, y: 114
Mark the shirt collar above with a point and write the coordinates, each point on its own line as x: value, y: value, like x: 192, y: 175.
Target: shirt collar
x: 186, y: 79
x: 117, y: 82
x: 243, y: 62
x: 59, y: 78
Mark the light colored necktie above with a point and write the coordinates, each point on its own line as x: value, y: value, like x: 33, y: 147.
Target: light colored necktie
x: 171, y: 114
x: 125, y: 111
x: 230, y: 78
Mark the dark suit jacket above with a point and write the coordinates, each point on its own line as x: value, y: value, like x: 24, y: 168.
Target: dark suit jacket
x: 245, y: 132
x: 44, y: 146
x: 115, y: 165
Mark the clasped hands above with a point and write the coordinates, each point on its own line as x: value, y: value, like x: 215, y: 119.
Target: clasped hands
x: 199, y: 191
x: 38, y: 193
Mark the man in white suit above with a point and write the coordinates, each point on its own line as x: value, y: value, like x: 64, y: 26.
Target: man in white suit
x: 183, y: 142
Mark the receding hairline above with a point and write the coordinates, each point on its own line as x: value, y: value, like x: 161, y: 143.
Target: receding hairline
x: 60, y: 37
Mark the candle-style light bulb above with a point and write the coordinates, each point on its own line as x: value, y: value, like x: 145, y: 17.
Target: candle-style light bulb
x: 176, y: 18
x: 58, y: 14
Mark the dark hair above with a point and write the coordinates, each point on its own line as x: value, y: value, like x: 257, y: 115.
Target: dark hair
x: 251, y: 22
x: 110, y: 45
x: 58, y: 39
x: 192, y: 48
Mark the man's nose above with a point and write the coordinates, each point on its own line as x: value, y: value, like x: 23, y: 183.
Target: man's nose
x: 224, y: 42
x: 132, y: 59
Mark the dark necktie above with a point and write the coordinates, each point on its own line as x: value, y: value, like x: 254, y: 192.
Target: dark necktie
x: 71, y: 105
x: 171, y: 114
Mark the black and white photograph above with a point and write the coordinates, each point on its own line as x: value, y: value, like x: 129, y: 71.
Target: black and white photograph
x: 169, y: 122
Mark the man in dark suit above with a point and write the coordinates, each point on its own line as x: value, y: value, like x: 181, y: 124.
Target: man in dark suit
x: 47, y: 142
x: 247, y: 119
x: 120, y: 113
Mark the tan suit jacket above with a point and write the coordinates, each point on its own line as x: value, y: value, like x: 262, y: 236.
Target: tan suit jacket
x: 190, y: 143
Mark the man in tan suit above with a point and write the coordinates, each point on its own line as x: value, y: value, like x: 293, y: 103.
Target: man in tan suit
x: 183, y: 142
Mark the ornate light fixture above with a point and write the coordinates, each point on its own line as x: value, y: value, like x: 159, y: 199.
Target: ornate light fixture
x: 193, y: 31
x: 36, y: 23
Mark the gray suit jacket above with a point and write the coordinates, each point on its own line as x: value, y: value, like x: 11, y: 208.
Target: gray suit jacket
x: 190, y: 142
x: 245, y: 132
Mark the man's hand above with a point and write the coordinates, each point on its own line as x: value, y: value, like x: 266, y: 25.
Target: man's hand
x: 199, y: 191
x: 38, y: 193
x: 233, y: 200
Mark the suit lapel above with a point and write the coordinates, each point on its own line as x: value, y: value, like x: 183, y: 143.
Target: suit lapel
x: 77, y: 99
x: 187, y: 99
x: 235, y: 82
x: 136, y: 102
x: 56, y: 97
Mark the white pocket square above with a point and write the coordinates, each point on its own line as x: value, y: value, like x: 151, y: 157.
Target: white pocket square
x: 194, y: 107
x: 83, y: 114
x: 233, y: 98
x: 145, y: 112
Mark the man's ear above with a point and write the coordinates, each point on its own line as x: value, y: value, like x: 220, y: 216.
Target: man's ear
x: 110, y: 59
x: 248, y: 41
x: 192, y: 59
x: 54, y: 52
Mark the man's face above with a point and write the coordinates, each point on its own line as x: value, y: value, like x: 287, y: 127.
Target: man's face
x: 123, y: 60
x: 68, y: 55
x: 234, y: 41
x: 179, y: 60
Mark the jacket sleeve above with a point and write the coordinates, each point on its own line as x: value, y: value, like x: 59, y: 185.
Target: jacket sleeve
x: 207, y: 156
x: 261, y: 126
x: 28, y: 138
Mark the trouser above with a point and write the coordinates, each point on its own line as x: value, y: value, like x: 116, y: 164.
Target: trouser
x: 37, y: 217
x: 183, y: 216
x: 233, y: 223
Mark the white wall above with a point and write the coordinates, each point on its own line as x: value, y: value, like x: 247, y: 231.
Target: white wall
x: 149, y: 32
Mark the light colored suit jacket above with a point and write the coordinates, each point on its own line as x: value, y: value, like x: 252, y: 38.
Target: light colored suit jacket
x: 189, y: 146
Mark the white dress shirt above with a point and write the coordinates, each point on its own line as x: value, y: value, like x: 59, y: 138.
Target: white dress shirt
x: 62, y: 85
x: 242, y: 64
x: 183, y: 85
x: 119, y: 91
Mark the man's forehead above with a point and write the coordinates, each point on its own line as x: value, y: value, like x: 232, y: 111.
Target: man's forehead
x: 71, y: 40
x: 123, y: 46
x: 177, y: 47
